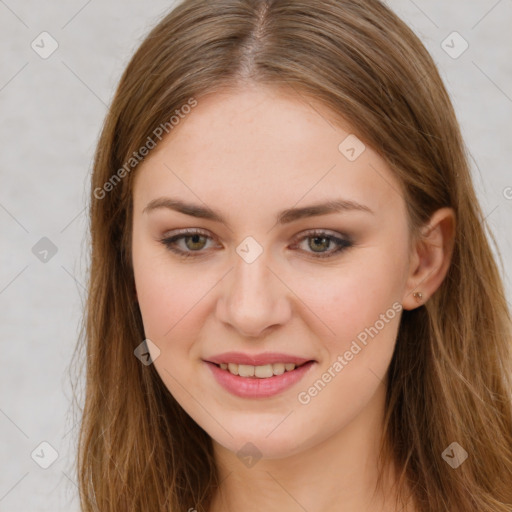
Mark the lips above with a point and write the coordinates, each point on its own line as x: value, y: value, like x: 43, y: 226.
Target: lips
x: 256, y: 359
x: 255, y: 387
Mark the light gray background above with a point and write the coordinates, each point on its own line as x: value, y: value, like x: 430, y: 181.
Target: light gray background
x: 52, y: 110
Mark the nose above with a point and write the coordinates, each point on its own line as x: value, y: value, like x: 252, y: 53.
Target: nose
x: 254, y: 299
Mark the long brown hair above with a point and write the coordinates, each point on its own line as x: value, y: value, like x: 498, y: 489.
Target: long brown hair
x: 450, y: 376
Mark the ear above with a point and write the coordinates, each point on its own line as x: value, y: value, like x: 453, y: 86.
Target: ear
x: 430, y: 258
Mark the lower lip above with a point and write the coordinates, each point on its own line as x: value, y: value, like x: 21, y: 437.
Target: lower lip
x: 254, y: 387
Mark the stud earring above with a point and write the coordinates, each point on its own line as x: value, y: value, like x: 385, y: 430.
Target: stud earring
x: 418, y: 296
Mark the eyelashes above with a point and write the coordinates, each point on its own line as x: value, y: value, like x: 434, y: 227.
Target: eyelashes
x: 317, y: 241
x: 185, y: 234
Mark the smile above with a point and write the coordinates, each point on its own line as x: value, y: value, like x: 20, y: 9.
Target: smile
x: 261, y: 372
x: 263, y: 381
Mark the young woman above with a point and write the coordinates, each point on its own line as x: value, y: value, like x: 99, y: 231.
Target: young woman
x: 293, y: 304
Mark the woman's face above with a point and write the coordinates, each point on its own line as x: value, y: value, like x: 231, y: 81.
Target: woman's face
x: 272, y: 272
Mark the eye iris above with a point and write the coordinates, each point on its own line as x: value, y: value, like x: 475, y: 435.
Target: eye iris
x: 322, y: 245
x: 195, y: 239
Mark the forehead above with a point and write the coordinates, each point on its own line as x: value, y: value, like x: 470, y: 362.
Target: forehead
x: 263, y: 146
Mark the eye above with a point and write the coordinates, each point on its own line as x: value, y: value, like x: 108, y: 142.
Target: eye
x: 320, y: 241
x: 195, y: 241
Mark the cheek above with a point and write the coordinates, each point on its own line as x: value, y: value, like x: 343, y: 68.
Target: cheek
x: 360, y: 303
x: 168, y: 294
x: 358, y: 292
x: 169, y: 303
x: 361, y: 306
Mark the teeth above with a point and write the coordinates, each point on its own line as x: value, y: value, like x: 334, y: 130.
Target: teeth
x: 262, y: 372
x: 245, y: 370
x: 278, y: 368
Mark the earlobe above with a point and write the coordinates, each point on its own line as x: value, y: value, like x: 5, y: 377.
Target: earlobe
x: 430, y: 259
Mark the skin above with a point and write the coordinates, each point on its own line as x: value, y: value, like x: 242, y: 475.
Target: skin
x: 250, y: 154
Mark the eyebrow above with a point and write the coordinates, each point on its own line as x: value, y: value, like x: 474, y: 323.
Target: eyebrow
x: 284, y: 217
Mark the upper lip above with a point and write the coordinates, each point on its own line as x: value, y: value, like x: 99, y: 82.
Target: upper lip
x: 256, y: 359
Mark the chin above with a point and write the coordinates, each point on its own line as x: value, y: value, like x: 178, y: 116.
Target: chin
x: 259, y: 444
